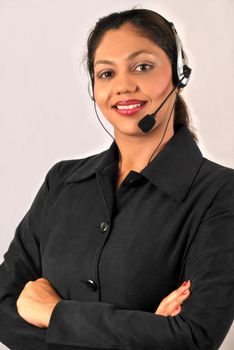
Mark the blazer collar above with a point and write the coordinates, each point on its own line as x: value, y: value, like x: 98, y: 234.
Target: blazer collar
x: 172, y: 170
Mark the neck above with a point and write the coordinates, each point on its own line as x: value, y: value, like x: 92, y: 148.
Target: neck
x: 136, y: 151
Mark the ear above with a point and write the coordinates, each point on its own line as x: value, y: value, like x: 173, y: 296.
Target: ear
x: 179, y: 90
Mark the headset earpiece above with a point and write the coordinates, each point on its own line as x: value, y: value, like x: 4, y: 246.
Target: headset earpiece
x: 187, y: 71
x: 181, y: 70
x: 90, y: 89
x: 92, y: 84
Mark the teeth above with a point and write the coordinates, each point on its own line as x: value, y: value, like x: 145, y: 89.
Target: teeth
x: 130, y: 106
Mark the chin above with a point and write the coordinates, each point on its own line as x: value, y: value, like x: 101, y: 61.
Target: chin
x: 133, y: 131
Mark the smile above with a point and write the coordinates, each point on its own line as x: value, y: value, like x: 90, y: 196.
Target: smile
x: 129, y: 109
x: 130, y: 106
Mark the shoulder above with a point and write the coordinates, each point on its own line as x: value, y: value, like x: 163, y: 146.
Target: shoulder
x: 219, y: 182
x: 216, y: 168
x: 63, y: 169
x: 215, y: 172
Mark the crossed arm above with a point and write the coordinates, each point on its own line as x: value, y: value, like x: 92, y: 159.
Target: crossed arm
x: 38, y: 299
x: 54, y: 323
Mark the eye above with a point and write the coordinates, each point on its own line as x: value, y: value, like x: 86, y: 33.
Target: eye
x: 144, y: 67
x: 105, y: 75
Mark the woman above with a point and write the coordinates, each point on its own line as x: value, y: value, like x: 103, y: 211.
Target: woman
x: 101, y: 259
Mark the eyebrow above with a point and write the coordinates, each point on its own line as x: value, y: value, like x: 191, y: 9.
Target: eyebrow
x: 132, y: 55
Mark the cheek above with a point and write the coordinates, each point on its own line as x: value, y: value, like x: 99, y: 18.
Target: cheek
x: 101, y: 94
x: 102, y: 97
x: 159, y: 84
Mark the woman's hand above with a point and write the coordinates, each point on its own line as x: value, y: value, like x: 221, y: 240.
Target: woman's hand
x: 37, y: 301
x: 171, y: 305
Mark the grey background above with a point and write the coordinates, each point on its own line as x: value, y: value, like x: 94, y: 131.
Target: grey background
x: 46, y: 114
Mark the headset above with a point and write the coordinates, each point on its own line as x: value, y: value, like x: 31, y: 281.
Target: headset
x: 181, y: 71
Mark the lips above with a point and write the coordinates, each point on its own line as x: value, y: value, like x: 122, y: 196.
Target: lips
x: 128, y: 107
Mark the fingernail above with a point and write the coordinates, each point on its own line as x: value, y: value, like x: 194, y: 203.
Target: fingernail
x: 186, y: 283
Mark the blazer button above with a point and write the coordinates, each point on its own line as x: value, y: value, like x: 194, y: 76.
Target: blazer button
x: 104, y: 226
x: 92, y: 284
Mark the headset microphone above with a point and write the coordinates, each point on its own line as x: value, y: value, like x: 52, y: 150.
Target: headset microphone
x: 148, y: 121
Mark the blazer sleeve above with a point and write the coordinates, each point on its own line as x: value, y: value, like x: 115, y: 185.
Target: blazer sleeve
x: 206, y: 315
x: 21, y: 264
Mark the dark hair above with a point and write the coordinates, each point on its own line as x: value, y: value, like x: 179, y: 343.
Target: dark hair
x: 152, y: 26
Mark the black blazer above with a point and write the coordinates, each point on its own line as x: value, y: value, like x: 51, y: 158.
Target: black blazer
x: 114, y: 255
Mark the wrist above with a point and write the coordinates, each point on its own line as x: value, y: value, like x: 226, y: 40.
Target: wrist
x: 49, y: 311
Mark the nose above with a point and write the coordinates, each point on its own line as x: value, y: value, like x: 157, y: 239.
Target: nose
x: 123, y: 84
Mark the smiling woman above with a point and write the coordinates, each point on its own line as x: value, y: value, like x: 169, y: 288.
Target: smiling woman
x: 131, y: 248
x: 133, y: 77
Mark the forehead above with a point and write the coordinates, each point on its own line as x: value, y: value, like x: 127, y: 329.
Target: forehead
x: 123, y: 40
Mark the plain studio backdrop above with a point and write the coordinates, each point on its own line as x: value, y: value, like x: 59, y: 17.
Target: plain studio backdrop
x: 45, y: 111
